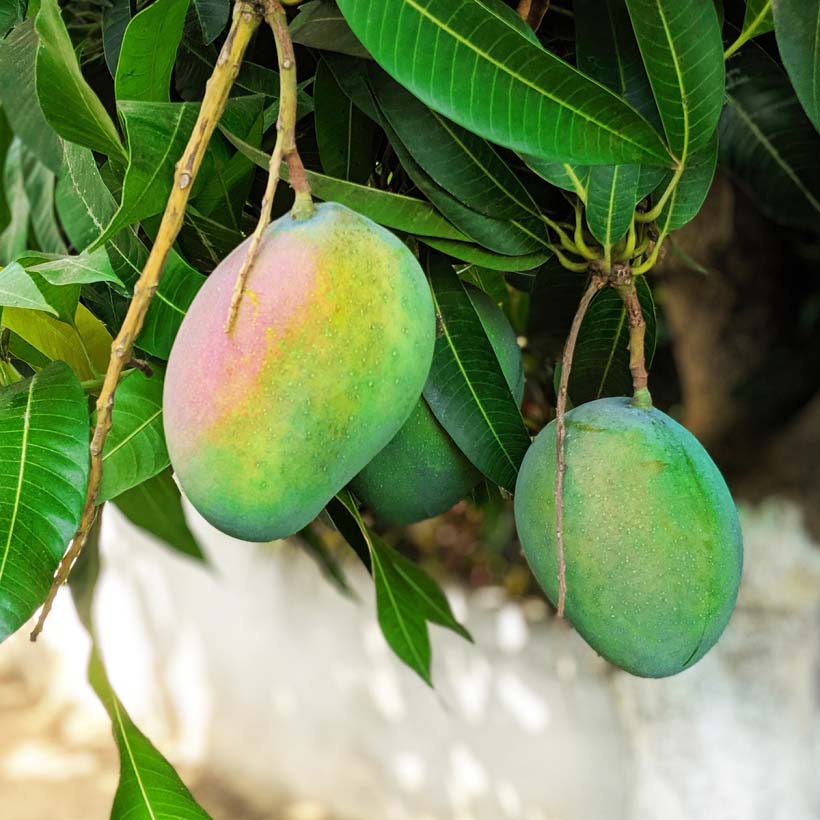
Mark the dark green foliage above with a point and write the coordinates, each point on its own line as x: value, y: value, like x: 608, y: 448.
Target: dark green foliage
x: 502, y: 156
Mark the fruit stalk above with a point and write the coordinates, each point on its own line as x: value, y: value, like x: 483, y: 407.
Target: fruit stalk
x: 637, y: 334
x: 284, y: 150
x: 244, y: 23
x: 597, y: 282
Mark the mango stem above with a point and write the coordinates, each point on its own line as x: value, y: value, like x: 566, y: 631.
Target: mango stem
x: 245, y: 22
x: 637, y: 336
x: 284, y: 150
x: 597, y: 281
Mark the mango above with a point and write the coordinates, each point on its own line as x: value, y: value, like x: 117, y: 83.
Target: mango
x: 652, y: 541
x: 328, y: 356
x: 422, y: 472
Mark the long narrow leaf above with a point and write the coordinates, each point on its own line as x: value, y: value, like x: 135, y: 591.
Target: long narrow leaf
x: 479, y: 69
x: 43, y: 472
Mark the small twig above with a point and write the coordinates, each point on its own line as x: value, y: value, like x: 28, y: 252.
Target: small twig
x: 284, y: 149
x: 533, y: 11
x: 598, y: 281
x: 245, y: 21
x: 637, y: 334
x: 142, y: 365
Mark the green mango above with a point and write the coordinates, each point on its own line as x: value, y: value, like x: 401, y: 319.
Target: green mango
x: 422, y: 472
x: 652, y: 539
x: 327, y: 359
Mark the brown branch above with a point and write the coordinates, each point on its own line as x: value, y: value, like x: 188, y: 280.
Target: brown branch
x: 597, y: 282
x: 245, y: 21
x: 637, y: 335
x: 533, y: 11
x: 284, y: 149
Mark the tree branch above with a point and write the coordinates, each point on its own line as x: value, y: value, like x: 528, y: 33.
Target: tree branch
x: 284, y: 149
x: 245, y: 20
x: 598, y: 281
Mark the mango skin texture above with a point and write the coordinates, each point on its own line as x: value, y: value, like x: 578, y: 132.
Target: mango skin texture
x: 328, y: 357
x: 422, y: 472
x: 651, y: 535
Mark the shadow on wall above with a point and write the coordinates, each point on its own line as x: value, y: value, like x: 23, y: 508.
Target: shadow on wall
x: 279, y: 699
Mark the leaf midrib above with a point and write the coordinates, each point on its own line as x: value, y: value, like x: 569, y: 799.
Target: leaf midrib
x: 132, y: 435
x: 523, y: 80
x: 21, y: 473
x: 467, y: 381
x: 377, y: 566
x: 127, y: 745
x: 773, y: 152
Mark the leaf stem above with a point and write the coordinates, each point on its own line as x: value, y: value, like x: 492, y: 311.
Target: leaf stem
x: 580, y: 242
x: 655, y: 211
x: 597, y: 282
x: 245, y: 21
x: 650, y: 260
x: 284, y: 149
x: 750, y: 31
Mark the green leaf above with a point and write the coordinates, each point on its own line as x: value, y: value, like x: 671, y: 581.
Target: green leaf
x: 20, y: 104
x: 600, y: 366
x: 611, y: 200
x: 768, y: 144
x: 691, y: 190
x: 11, y: 13
x: 321, y: 25
x: 758, y: 18
x: 402, y: 213
x: 464, y: 165
x: 149, y: 50
x: 135, y: 448
x: 797, y: 28
x: 6, y: 140
x: 406, y: 597
x: 564, y: 175
x: 149, y: 788
x: 157, y: 135
x: 477, y: 255
x: 466, y: 388
x: 68, y: 101
x: 85, y: 206
x: 212, y: 16
x: 343, y: 134
x: 226, y: 188
x: 79, y: 269
x: 84, y: 345
x: 682, y: 50
x: 606, y: 49
x: 17, y: 289
x: 470, y: 63
x: 115, y: 19
x: 14, y: 237
x: 43, y: 473
x: 156, y: 507
x: 511, y: 237
x: 344, y: 515
x: 38, y: 182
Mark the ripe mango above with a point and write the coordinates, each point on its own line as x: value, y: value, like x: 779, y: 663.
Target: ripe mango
x: 651, y: 535
x: 422, y: 472
x: 327, y: 358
